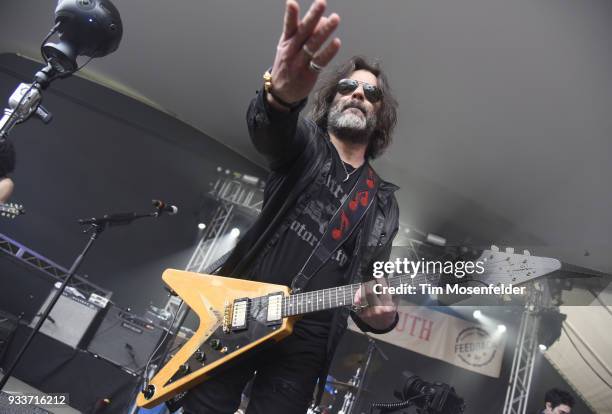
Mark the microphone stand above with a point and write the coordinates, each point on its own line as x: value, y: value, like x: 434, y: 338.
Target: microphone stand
x: 97, y: 226
x: 25, y: 101
x: 372, y: 346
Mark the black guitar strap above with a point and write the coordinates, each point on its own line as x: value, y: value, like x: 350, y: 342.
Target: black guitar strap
x: 340, y: 227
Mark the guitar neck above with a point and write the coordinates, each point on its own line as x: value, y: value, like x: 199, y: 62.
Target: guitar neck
x: 331, y: 298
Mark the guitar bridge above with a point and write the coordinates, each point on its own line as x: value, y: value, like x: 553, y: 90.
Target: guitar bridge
x: 235, y: 315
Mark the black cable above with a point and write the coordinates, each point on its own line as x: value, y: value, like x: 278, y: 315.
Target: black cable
x: 66, y: 74
x: 146, y: 368
x: 586, y: 346
x: 396, y: 405
x: 598, y: 299
x: 61, y: 75
x: 42, y: 44
x: 51, y: 33
x: 584, y: 359
x: 141, y: 370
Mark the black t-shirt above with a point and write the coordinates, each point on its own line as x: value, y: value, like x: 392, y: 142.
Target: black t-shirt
x: 285, y: 259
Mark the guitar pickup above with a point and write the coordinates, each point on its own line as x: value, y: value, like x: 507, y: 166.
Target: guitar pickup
x: 275, y: 308
x: 240, y: 312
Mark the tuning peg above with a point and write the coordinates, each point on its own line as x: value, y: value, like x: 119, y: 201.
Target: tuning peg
x: 526, y: 253
x: 494, y: 248
x: 510, y: 250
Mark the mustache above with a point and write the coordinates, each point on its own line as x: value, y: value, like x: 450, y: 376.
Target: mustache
x: 355, y: 104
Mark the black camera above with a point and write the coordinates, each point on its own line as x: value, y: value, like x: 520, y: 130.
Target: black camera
x: 86, y: 28
x: 427, y: 397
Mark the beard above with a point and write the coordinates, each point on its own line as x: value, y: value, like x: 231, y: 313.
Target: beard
x: 351, y: 122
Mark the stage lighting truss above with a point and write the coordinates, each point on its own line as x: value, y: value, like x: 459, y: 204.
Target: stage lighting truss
x: 529, y: 344
x: 39, y: 262
x: 231, y: 190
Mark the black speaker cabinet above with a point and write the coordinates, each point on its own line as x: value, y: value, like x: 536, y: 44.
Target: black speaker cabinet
x: 125, y: 339
x: 69, y: 320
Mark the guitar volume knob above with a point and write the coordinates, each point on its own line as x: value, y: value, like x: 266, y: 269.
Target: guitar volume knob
x: 184, y: 369
x: 216, y: 344
x: 200, y: 356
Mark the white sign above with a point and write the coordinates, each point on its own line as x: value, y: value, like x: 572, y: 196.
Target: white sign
x: 448, y: 338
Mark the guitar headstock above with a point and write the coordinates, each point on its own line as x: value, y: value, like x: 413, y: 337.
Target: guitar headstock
x: 11, y: 210
x: 510, y: 267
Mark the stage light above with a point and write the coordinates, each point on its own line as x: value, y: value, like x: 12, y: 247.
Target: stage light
x: 542, y: 347
x: 435, y: 240
x: 235, y: 232
x: 501, y: 328
x: 201, y: 226
x: 477, y: 314
x: 250, y: 179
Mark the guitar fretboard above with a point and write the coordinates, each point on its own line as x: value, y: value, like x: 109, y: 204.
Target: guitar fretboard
x: 335, y: 297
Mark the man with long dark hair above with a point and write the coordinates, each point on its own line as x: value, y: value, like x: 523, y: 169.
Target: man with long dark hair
x: 316, y: 162
x: 7, y: 165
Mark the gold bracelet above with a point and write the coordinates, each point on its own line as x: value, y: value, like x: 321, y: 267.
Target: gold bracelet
x: 267, y: 77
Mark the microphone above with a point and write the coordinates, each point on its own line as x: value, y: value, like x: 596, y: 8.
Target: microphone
x: 162, y: 207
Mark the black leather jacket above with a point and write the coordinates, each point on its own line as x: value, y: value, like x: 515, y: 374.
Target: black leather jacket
x: 7, y: 157
x: 295, y: 150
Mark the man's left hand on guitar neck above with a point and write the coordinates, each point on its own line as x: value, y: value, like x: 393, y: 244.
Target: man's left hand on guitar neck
x: 379, y: 311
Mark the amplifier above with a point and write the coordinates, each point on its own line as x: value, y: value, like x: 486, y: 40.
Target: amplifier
x: 69, y: 320
x: 125, y: 340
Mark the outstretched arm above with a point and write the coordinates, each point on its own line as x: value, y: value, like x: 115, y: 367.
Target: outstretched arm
x: 275, y: 129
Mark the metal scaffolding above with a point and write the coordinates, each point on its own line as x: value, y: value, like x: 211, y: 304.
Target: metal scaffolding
x: 203, y: 254
x: 231, y: 191
x: 39, y: 262
x: 525, y: 351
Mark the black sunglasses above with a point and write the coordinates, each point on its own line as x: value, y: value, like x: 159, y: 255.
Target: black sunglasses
x: 371, y: 92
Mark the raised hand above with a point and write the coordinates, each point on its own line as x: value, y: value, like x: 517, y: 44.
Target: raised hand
x: 293, y: 75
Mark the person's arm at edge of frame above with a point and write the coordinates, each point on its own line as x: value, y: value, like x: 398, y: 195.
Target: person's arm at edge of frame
x: 6, y: 188
x: 276, y: 129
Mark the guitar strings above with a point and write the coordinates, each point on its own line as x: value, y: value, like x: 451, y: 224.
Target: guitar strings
x: 303, y: 301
